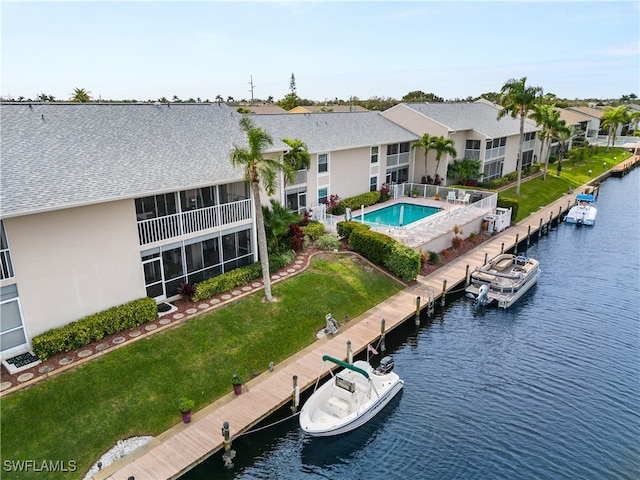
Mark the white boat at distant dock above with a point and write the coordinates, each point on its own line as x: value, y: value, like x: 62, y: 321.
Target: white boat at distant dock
x: 583, y: 212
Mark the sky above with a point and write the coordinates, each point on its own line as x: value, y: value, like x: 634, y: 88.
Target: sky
x: 146, y: 50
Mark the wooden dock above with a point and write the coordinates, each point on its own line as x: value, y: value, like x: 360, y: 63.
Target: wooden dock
x: 179, y: 449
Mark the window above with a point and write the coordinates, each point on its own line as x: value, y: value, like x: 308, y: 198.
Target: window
x: 197, y: 198
x: 156, y: 206
x: 373, y: 184
x: 472, y: 150
x: 12, y: 335
x: 323, y: 163
x: 296, y: 199
x: 527, y: 159
x: 323, y: 194
x: 397, y: 175
x: 496, y: 148
x: 374, y: 154
x: 492, y: 170
x: 398, y: 153
x: 6, y: 268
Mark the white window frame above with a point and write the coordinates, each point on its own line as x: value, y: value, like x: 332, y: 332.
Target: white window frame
x: 326, y: 162
x: 375, y: 154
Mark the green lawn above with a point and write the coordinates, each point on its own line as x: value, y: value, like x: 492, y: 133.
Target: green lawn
x: 134, y: 390
x: 538, y: 193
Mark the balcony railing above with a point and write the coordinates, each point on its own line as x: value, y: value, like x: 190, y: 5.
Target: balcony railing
x: 162, y: 228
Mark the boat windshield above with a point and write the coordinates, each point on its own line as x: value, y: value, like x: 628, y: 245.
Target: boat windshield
x: 346, y: 384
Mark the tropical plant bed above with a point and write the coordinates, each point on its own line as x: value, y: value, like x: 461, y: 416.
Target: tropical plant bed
x: 451, y: 254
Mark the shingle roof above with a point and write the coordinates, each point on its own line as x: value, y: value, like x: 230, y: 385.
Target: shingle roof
x: 336, y: 131
x: 477, y: 116
x: 62, y: 155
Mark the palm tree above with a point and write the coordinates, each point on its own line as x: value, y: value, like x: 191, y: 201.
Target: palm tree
x: 517, y: 99
x: 259, y: 171
x: 277, y: 220
x: 565, y: 133
x: 423, y: 143
x: 549, y: 118
x: 80, y: 95
x: 612, y: 118
x: 295, y: 159
x: 441, y: 146
x: 465, y: 171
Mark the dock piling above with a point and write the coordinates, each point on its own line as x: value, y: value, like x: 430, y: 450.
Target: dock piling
x: 226, y: 437
x: 417, y: 320
x: 444, y: 292
x: 295, y: 400
x: 382, y: 346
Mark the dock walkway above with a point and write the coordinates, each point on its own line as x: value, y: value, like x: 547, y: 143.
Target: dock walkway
x: 179, y: 449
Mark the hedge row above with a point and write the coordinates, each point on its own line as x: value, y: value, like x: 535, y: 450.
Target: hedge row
x: 382, y: 250
x: 237, y: 277
x: 94, y: 327
x: 367, y: 199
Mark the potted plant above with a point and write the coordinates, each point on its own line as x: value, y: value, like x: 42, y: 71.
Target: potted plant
x: 414, y: 193
x: 436, y: 197
x: 237, y: 384
x: 185, y: 405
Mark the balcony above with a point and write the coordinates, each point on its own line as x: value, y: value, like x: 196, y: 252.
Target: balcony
x: 162, y: 228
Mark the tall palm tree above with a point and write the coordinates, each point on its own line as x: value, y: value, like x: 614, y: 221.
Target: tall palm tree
x: 441, y: 146
x: 80, y: 95
x: 565, y: 133
x: 612, y: 118
x: 260, y: 170
x: 549, y: 119
x: 423, y: 143
x: 517, y: 100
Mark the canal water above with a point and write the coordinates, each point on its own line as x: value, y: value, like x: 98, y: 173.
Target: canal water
x: 548, y: 389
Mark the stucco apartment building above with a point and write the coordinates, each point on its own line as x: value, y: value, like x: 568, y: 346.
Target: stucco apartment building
x: 101, y: 204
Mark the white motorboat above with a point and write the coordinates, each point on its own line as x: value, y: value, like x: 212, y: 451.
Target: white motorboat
x: 350, y: 398
x: 583, y: 212
x: 504, y: 279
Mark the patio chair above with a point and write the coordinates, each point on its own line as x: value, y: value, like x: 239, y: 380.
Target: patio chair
x: 451, y: 196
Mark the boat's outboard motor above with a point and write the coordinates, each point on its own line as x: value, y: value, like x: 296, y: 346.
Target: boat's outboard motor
x: 483, y: 291
x: 386, y: 365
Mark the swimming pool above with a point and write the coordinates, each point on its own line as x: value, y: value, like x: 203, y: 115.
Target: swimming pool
x: 392, y: 214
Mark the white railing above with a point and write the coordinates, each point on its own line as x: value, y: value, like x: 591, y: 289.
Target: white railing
x: 170, y: 226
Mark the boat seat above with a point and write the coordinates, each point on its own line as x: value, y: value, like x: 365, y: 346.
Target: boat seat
x: 502, y: 264
x: 338, y: 406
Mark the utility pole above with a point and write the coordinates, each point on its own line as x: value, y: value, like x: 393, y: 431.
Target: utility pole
x: 251, y: 90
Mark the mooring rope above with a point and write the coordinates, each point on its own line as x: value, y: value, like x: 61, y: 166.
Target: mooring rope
x: 266, y: 426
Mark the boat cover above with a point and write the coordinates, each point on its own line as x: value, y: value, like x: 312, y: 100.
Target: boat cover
x: 345, y: 365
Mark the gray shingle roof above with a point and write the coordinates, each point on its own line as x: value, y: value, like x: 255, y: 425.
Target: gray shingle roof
x: 476, y: 116
x: 332, y: 131
x: 61, y: 155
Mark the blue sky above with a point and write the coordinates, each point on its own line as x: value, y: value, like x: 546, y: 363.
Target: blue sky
x: 145, y: 50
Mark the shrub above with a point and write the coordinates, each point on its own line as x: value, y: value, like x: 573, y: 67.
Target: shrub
x: 186, y: 289
x: 328, y: 242
x: 366, y: 199
x: 313, y: 230
x: 508, y: 202
x: 295, y: 237
x: 228, y: 280
x: 473, y: 235
x: 434, y: 258
x: 346, y: 228
x: 456, y: 242
x: 372, y: 245
x: 403, y: 262
x: 445, y: 253
x: 94, y: 327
